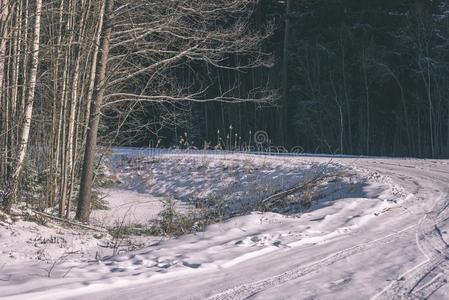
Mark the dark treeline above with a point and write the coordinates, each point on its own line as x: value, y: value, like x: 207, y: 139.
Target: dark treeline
x: 361, y: 77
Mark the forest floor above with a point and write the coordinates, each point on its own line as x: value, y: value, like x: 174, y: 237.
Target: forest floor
x: 372, y: 228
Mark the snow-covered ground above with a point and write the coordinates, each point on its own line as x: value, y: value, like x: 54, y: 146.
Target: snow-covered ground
x: 377, y: 231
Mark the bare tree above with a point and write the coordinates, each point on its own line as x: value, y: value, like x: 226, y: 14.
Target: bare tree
x: 28, y: 112
x: 284, y: 80
x: 147, y: 45
x: 84, y: 202
x: 4, y: 28
x: 62, y: 67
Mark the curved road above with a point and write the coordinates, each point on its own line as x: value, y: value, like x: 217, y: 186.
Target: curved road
x: 403, y: 254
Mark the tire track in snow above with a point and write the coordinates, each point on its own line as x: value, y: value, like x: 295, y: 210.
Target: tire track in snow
x: 418, y: 283
x: 248, y: 289
x: 424, y: 280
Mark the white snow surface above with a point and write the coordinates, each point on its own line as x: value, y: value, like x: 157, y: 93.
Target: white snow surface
x: 381, y: 232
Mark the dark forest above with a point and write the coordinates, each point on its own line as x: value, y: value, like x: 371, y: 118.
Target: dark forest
x: 353, y: 77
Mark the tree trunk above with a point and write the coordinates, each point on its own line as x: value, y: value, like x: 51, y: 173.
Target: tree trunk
x: 25, y: 131
x: 84, y: 201
x: 283, y: 122
x: 74, y: 107
x: 368, y: 104
x: 4, y: 6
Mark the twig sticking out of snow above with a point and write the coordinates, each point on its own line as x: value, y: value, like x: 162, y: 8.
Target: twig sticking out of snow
x: 4, y: 218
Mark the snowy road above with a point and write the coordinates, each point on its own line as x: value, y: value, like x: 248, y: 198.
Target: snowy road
x: 418, y: 234
x: 372, y: 247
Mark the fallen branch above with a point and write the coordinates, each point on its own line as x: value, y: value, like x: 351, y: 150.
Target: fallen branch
x: 297, y: 188
x: 68, y: 221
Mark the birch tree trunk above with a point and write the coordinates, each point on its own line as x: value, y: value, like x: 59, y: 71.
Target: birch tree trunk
x: 4, y: 7
x: 25, y: 131
x: 74, y: 107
